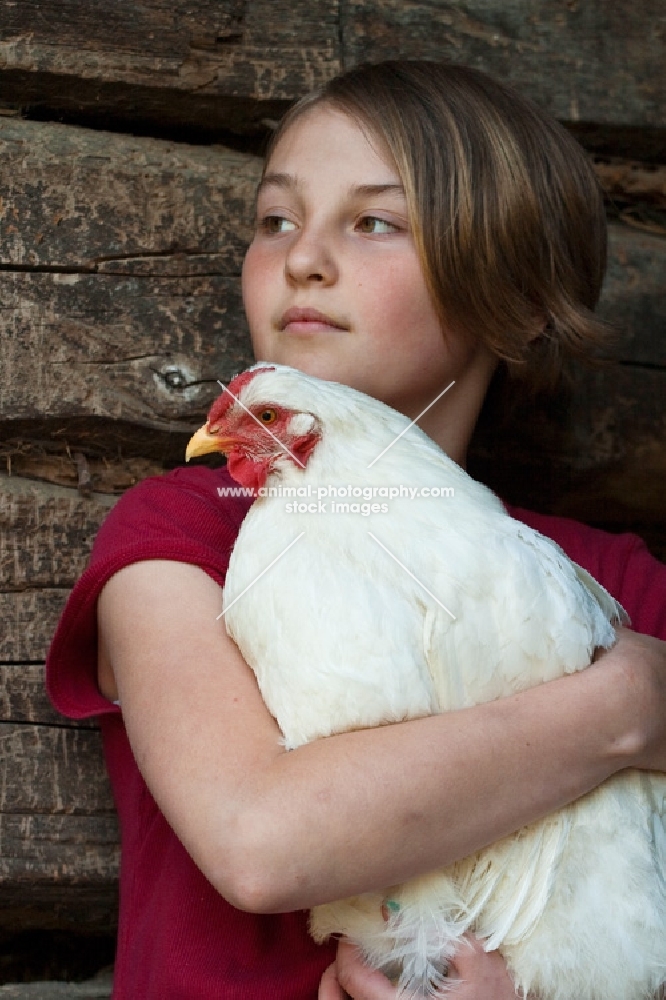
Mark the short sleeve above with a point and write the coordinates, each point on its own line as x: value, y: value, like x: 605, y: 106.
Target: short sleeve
x: 638, y: 580
x: 188, y: 515
x: 621, y: 563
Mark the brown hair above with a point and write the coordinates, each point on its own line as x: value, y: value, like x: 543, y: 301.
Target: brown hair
x: 507, y: 214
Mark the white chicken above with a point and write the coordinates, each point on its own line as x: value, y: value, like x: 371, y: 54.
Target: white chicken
x: 371, y: 616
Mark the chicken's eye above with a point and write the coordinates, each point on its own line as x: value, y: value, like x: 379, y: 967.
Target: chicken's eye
x: 268, y: 416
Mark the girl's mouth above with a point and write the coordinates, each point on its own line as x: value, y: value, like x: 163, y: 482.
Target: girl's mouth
x: 298, y: 320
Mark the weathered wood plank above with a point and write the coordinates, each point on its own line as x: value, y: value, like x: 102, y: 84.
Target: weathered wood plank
x: 204, y: 63
x: 145, y: 350
x: 98, y: 988
x: 74, y: 197
x: 633, y: 296
x: 591, y: 62
x: 46, y: 533
x: 109, y: 471
x: 71, y: 867
x: 59, y: 848
x: 28, y: 621
x: 59, y: 853
x: 626, y: 179
x: 23, y: 698
x: 52, y: 770
x: 213, y: 56
x: 596, y: 451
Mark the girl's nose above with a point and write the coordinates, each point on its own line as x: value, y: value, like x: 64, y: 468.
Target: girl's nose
x: 310, y: 259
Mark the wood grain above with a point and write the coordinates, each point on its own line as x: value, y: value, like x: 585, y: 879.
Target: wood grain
x: 626, y: 179
x: 34, y: 903
x: 28, y: 621
x: 54, y: 770
x: 596, y: 451
x: 589, y: 61
x: 46, y: 533
x: 225, y: 63
x: 216, y: 63
x: 143, y: 236
x: 59, y: 852
x: 109, y: 469
x: 77, y: 198
x: 140, y: 349
x: 23, y: 698
x: 98, y: 988
x: 59, y: 846
x: 633, y: 297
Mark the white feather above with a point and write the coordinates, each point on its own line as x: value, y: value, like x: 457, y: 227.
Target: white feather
x: 340, y: 636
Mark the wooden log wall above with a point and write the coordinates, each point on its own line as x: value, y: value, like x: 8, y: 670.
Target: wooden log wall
x: 129, y: 135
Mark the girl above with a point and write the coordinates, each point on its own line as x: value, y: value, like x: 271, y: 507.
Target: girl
x: 416, y: 223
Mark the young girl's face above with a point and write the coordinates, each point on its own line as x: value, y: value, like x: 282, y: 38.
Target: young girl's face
x: 332, y: 283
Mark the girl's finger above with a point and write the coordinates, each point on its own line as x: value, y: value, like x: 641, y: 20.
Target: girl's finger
x: 329, y: 987
x: 359, y: 981
x: 480, y: 974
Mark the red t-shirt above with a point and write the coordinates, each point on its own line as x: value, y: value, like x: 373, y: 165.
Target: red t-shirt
x: 178, y: 939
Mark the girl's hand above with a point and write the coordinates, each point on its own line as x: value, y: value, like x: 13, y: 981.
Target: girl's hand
x: 349, y: 976
x: 478, y: 975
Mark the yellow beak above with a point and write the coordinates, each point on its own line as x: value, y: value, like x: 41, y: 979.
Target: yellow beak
x: 202, y: 443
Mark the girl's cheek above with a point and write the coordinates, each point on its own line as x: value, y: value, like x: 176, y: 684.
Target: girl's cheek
x: 254, y: 272
x: 260, y: 262
x: 250, y: 260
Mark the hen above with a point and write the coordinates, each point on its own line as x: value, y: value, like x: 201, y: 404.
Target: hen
x: 369, y: 616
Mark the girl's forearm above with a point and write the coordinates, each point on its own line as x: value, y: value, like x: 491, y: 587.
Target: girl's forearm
x: 405, y: 799
x: 277, y: 831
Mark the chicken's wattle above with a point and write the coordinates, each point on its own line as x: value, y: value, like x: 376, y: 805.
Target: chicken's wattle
x: 249, y: 472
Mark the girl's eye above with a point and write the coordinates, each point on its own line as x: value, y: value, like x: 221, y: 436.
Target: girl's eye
x: 274, y: 224
x: 268, y: 416
x: 374, y: 226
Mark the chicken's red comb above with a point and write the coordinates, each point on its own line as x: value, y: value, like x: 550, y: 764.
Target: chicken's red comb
x: 234, y: 389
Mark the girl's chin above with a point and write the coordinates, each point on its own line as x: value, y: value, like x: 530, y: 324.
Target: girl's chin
x: 357, y: 373
x: 310, y: 363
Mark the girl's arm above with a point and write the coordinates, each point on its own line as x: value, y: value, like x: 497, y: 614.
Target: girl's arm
x: 276, y: 831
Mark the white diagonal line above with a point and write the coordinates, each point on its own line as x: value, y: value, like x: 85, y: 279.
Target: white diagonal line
x: 263, y: 426
x: 415, y: 578
x: 259, y: 576
x: 409, y: 425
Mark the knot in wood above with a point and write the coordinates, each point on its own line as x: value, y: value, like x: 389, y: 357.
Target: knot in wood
x: 174, y: 378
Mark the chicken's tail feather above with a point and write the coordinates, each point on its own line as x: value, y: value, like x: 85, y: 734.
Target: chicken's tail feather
x: 427, y: 922
x: 613, y: 611
x: 410, y: 935
x: 508, y: 885
x: 500, y: 894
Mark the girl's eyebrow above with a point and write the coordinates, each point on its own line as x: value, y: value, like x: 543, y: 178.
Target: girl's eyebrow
x: 290, y: 182
x: 370, y: 189
x: 277, y: 180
